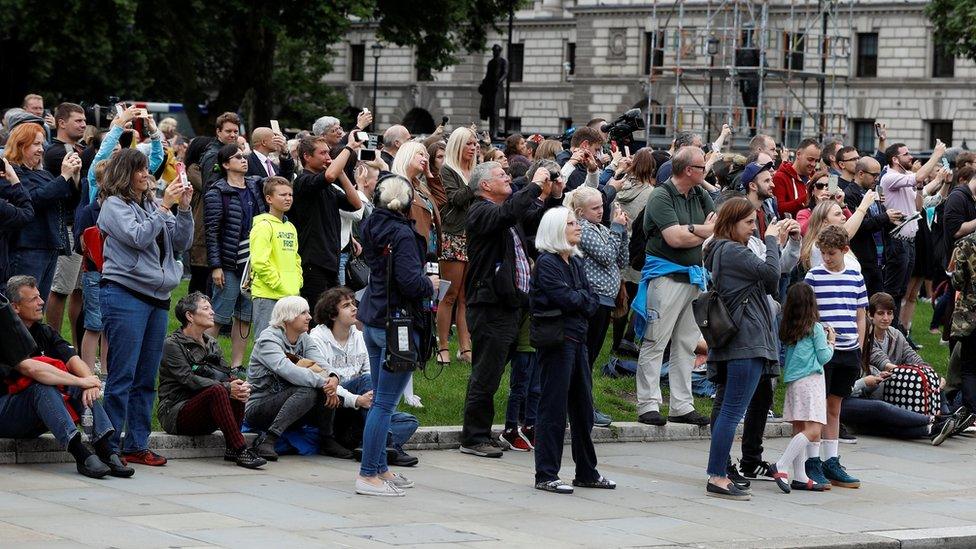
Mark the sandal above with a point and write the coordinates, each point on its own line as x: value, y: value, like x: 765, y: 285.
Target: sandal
x: 464, y: 359
x: 443, y: 362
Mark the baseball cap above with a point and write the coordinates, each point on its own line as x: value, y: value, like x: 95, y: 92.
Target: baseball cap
x: 752, y: 170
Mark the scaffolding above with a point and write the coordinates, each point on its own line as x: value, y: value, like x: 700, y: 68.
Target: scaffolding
x: 757, y: 56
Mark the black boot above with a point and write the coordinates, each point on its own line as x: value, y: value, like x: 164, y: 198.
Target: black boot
x: 87, y: 462
x: 264, y: 446
x: 117, y: 467
x: 328, y: 446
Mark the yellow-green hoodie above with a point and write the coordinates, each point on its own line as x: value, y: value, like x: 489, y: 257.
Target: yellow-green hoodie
x: 275, y: 264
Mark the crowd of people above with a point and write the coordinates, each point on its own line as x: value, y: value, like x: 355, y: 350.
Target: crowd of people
x: 349, y: 271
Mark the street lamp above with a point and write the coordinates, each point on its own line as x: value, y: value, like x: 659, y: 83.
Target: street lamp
x: 712, y: 49
x: 377, y: 51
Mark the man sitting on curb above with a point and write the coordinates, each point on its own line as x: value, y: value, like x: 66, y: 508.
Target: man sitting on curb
x: 344, y: 348
x: 31, y: 401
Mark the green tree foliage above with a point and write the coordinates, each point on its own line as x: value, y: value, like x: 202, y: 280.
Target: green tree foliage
x: 265, y: 59
x: 953, y: 27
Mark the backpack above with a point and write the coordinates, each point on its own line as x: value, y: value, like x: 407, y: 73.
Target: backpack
x: 913, y: 387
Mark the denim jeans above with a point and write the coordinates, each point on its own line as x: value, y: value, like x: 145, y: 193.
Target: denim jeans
x: 343, y: 259
x: 525, y: 389
x: 39, y: 408
x: 742, y: 377
x: 38, y: 263
x: 387, y: 389
x: 228, y: 303
x: 134, y: 331
x: 879, y: 418
x: 402, y: 425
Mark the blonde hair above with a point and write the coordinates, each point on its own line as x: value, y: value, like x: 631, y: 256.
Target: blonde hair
x: 455, y: 146
x: 548, y: 149
x: 818, y: 217
x: 395, y: 193
x: 576, y: 200
x: 404, y: 156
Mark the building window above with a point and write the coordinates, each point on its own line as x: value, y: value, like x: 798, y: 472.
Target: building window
x: 357, y: 62
x: 565, y: 123
x: 424, y: 74
x: 791, y: 131
x: 940, y: 129
x: 943, y: 62
x: 864, y: 136
x: 515, y: 62
x: 794, y: 45
x: 513, y: 125
x: 571, y: 57
x: 867, y: 54
x: 654, y: 51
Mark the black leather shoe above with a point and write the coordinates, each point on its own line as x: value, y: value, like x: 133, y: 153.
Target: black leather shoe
x: 652, y: 418
x: 93, y: 467
x: 330, y: 447
x: 248, y: 459
x: 230, y: 454
x: 732, y: 492
x: 117, y: 468
x: 401, y: 459
x: 264, y: 447
x: 692, y: 417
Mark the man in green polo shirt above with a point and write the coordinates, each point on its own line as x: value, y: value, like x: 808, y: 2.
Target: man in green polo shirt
x: 679, y: 217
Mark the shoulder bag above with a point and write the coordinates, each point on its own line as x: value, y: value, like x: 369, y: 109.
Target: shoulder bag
x: 401, y: 351
x: 712, y: 316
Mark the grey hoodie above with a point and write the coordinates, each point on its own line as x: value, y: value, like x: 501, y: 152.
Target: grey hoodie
x: 270, y: 371
x: 132, y: 253
x: 743, y: 280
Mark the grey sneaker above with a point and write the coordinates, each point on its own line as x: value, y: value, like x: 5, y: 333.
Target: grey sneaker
x: 484, y: 449
x: 600, y: 419
x: 384, y: 489
x: 400, y: 481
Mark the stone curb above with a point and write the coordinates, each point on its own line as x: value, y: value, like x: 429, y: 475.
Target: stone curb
x: 46, y: 450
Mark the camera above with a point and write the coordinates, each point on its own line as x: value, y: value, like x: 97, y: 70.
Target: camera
x: 620, y: 130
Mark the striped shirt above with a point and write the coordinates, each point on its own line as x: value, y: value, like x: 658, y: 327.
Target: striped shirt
x: 839, y: 296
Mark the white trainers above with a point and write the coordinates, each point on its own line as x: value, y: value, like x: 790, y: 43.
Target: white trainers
x: 400, y: 481
x: 386, y: 489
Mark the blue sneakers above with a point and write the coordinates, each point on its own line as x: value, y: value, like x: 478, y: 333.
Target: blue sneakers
x: 815, y: 472
x: 835, y: 472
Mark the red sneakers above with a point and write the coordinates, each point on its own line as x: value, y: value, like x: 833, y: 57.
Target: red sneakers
x: 515, y: 440
x: 145, y: 457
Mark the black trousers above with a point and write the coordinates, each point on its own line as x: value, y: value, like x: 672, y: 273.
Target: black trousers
x: 754, y: 425
x: 315, y: 281
x: 597, y: 332
x: 494, y: 335
x: 898, y: 267
x: 291, y: 407
x: 873, y: 278
x: 967, y: 363
x: 567, y: 388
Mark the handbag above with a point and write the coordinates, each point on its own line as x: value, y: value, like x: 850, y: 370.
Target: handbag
x: 401, y: 352
x: 546, y: 329
x: 621, y: 304
x: 712, y: 316
x: 16, y: 342
x: 913, y: 387
x: 247, y: 277
x: 357, y: 273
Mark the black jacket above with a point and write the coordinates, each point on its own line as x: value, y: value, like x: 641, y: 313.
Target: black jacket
x: 315, y: 214
x: 562, y: 286
x: 862, y: 244
x: 53, y: 199
x: 16, y: 211
x: 224, y: 218
x: 286, y: 168
x: 960, y: 207
x: 491, y: 250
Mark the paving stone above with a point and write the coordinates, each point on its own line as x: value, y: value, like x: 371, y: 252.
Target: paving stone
x: 181, y: 522
x: 93, y: 529
x: 11, y: 533
x: 414, y: 534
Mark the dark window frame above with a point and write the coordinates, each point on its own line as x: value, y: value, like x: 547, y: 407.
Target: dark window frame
x: 939, y: 129
x: 867, y: 60
x: 653, y: 57
x: 357, y: 62
x: 516, y: 63
x: 864, y: 136
x: 571, y: 57
x: 943, y: 62
x: 797, y: 54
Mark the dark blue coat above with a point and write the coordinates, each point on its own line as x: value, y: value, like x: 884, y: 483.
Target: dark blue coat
x: 51, y: 197
x: 16, y: 211
x: 380, y: 229
x: 557, y: 285
x: 223, y: 226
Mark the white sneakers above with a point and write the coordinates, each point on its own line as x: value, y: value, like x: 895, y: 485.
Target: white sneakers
x: 392, y: 487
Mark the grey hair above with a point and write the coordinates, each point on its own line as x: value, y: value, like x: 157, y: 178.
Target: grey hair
x: 682, y: 159
x: 288, y: 309
x: 189, y: 304
x: 394, y: 193
x: 324, y: 124
x: 16, y: 283
x: 685, y: 139
x: 397, y: 131
x: 480, y: 173
x: 541, y: 163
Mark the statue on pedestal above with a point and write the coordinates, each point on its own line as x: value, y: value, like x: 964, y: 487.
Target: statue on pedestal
x: 492, y: 89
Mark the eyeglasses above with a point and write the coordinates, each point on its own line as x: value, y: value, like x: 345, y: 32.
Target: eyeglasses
x: 848, y: 159
x: 820, y: 186
x: 702, y: 168
x: 239, y: 156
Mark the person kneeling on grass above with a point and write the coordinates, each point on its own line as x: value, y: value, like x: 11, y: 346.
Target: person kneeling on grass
x: 32, y: 393
x: 809, y: 345
x: 198, y: 390
x: 287, y: 389
x: 344, y: 348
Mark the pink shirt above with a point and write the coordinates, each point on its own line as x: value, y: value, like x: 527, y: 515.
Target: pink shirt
x: 899, y: 193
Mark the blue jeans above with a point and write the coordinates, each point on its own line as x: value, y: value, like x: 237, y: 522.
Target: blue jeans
x: 387, y: 389
x: 38, y: 263
x: 525, y: 389
x: 343, y: 259
x: 89, y: 294
x: 135, y: 332
x: 402, y: 425
x: 877, y: 417
x: 742, y: 378
x: 40, y: 408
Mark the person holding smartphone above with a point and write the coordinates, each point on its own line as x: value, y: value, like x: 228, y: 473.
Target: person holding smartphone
x: 16, y: 211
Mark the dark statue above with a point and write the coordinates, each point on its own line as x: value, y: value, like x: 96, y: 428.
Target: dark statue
x: 492, y: 89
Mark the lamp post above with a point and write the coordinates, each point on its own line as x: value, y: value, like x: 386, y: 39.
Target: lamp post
x: 377, y: 51
x: 712, y: 49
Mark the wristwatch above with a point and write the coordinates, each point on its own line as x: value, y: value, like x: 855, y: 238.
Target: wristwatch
x: 691, y: 229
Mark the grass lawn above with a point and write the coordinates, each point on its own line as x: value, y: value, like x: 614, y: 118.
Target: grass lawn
x: 443, y: 394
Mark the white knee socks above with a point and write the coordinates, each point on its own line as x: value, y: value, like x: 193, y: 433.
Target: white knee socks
x: 794, y: 450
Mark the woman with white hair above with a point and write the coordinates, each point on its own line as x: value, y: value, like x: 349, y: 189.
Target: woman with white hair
x: 561, y: 303
x: 459, y: 160
x: 389, y: 239
x: 291, y: 384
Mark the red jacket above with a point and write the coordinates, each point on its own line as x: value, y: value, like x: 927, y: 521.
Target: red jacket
x: 789, y: 190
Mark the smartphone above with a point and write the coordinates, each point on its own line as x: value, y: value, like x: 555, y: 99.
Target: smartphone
x: 364, y: 111
x: 275, y: 127
x: 626, y: 150
x: 833, y: 184
x: 877, y: 130
x: 362, y: 137
x: 787, y: 215
x: 119, y: 109
x: 181, y: 170
x: 367, y: 155
x: 945, y: 163
x: 68, y: 149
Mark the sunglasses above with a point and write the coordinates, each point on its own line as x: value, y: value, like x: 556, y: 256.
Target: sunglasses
x: 820, y: 186
x: 239, y: 156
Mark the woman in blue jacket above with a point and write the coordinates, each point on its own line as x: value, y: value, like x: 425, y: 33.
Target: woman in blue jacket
x: 559, y: 286
x: 16, y: 210
x: 35, y: 249
x: 141, y: 238
x: 389, y: 230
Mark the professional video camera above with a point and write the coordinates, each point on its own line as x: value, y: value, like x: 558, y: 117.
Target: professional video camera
x: 100, y: 115
x: 620, y: 130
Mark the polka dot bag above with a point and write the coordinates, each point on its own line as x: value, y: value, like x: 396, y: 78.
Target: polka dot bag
x: 914, y: 387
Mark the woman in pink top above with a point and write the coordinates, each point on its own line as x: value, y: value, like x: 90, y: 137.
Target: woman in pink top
x: 817, y: 191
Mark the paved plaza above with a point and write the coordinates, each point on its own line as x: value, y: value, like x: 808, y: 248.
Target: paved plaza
x: 913, y: 495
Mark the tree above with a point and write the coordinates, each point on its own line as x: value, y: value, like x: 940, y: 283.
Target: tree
x: 953, y: 27
x: 222, y: 54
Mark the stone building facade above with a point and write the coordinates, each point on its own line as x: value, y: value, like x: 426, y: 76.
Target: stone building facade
x: 574, y: 60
